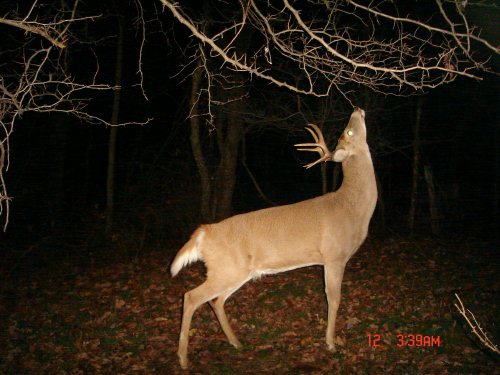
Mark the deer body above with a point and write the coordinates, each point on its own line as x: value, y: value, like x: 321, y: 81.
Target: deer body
x: 326, y: 230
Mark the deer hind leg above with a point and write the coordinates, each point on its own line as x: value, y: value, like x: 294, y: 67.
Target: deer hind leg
x: 333, y: 281
x: 193, y: 299
x: 218, y: 307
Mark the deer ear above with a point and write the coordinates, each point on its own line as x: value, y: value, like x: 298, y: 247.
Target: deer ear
x: 340, y: 155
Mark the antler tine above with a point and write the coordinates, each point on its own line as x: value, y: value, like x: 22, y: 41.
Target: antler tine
x: 314, y: 132
x: 318, y: 135
x: 319, y: 147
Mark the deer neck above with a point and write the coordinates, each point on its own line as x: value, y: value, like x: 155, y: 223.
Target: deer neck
x: 359, y: 184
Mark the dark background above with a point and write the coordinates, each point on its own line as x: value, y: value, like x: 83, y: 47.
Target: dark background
x: 57, y: 173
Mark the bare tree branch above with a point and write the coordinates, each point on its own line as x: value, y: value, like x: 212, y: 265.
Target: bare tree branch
x: 43, y: 30
x: 334, y: 44
x: 142, y: 24
x: 51, y: 31
x: 239, y: 63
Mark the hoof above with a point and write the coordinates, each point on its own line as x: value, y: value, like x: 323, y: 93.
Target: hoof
x: 183, y: 361
x: 338, y: 341
x: 236, y: 344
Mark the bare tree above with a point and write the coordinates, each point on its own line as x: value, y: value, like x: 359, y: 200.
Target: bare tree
x: 113, y: 133
x: 219, y: 97
x: 415, y: 166
x: 34, y: 74
x: 217, y: 161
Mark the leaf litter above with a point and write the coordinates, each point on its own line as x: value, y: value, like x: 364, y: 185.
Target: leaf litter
x: 125, y: 317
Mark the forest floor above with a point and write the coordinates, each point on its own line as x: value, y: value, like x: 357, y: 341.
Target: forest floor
x: 124, y: 316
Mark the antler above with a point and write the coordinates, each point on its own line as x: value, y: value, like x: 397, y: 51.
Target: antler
x: 319, y: 147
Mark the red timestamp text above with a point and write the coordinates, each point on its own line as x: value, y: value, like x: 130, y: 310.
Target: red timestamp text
x: 407, y: 340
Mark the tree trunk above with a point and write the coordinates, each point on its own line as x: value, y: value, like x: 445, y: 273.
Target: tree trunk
x: 433, y: 208
x: 218, y: 180
x: 110, y: 181
x: 416, y: 164
x: 196, y: 146
x: 226, y: 171
x: 496, y: 181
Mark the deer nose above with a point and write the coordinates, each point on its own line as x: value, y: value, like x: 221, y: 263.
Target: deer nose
x: 362, y: 111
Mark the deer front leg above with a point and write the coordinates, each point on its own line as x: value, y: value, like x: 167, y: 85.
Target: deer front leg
x: 333, y: 280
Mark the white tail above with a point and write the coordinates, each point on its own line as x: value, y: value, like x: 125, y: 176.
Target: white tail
x: 190, y: 252
x: 326, y: 230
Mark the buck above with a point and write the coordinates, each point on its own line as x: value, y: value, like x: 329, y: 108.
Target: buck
x: 325, y: 230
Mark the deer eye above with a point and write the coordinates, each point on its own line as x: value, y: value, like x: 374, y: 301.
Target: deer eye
x: 350, y: 133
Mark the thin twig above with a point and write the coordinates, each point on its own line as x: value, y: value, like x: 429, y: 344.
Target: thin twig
x: 477, y: 330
